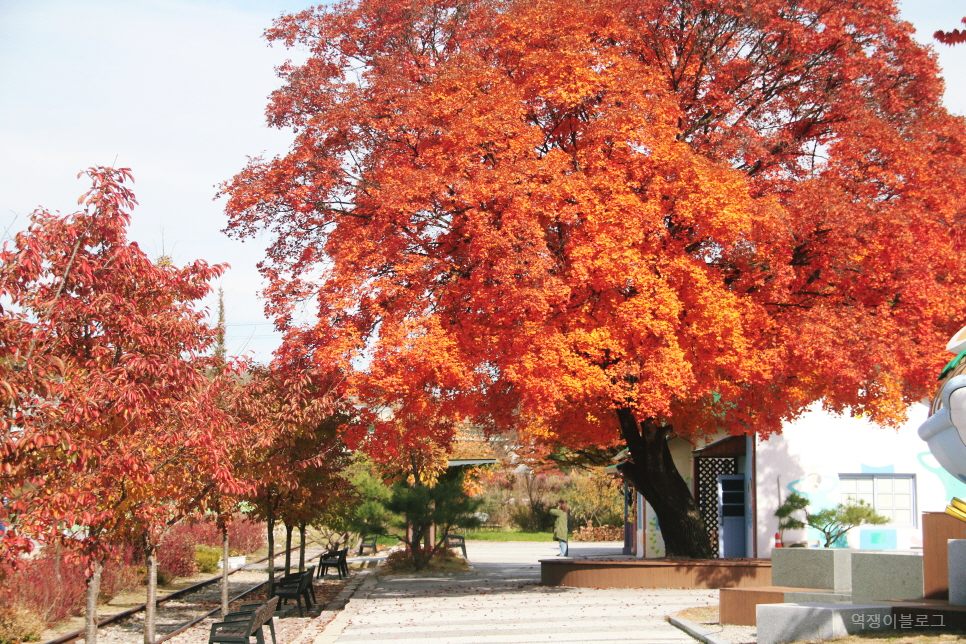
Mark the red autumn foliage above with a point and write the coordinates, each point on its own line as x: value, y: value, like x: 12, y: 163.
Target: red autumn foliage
x: 953, y: 37
x: 118, y: 425
x: 244, y: 535
x: 176, y: 555
x: 53, y: 586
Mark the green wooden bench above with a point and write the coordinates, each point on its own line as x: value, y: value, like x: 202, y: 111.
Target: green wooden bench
x: 456, y: 541
x: 238, y: 627
x: 368, y: 543
x: 296, y: 586
x: 335, y: 559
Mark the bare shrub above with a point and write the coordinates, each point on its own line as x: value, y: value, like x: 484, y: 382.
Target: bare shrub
x: 19, y: 624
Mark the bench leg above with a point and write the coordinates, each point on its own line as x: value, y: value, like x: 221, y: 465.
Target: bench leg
x: 271, y: 627
x: 299, y: 600
x: 258, y: 636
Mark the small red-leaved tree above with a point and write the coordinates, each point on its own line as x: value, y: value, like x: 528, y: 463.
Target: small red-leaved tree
x: 105, y: 395
x: 296, y: 455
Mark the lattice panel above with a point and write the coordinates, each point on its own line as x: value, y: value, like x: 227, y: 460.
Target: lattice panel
x: 708, y: 471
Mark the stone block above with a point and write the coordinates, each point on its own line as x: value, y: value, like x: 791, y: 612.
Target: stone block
x: 883, y: 576
x: 779, y: 623
x: 817, y: 597
x: 957, y: 571
x: 812, y: 567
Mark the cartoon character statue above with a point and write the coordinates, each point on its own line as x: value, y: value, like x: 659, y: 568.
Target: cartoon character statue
x: 945, y: 429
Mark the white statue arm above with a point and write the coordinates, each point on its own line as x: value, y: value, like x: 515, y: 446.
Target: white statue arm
x: 953, y: 412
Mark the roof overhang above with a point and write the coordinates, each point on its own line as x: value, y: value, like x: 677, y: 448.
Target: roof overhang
x: 729, y: 447
x: 466, y: 462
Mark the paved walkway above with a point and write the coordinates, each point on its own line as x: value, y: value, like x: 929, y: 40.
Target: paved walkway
x: 500, y: 602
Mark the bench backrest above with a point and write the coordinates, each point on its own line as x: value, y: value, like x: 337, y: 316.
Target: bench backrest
x: 264, y: 613
x: 306, y: 579
x: 455, y: 538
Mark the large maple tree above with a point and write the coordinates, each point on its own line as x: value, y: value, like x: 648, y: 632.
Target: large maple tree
x: 606, y: 221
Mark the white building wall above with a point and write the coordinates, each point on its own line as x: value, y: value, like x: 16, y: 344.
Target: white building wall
x: 811, y: 453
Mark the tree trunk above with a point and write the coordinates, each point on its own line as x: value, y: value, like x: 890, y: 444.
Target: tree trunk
x: 224, y: 570
x: 151, y: 603
x: 654, y: 475
x: 90, y: 613
x: 288, y: 547
x: 270, y: 519
x: 416, y: 547
x: 301, y: 546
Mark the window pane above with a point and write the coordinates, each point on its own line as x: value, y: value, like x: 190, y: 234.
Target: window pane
x: 891, y: 495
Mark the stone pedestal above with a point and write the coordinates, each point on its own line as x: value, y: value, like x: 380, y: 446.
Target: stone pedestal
x: 957, y: 571
x: 812, y: 568
x: 882, y: 576
x: 779, y: 623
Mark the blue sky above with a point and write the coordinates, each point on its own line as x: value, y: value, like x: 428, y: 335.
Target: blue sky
x: 176, y: 90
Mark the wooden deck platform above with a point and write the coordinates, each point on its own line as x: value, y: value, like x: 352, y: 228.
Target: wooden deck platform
x: 655, y: 573
x: 740, y: 605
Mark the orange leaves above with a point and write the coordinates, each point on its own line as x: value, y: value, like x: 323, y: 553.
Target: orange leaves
x: 537, y: 213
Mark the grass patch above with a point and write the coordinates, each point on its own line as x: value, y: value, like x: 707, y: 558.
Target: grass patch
x: 700, y: 614
x: 509, y: 536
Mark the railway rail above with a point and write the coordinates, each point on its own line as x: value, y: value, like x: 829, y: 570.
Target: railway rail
x: 126, y: 621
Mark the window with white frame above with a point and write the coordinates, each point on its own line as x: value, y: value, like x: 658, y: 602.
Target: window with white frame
x: 892, y: 495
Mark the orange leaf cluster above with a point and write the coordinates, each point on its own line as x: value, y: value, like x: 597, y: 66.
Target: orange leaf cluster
x: 535, y: 213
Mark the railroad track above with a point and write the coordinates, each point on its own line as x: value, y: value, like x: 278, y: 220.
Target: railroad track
x: 175, y: 609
